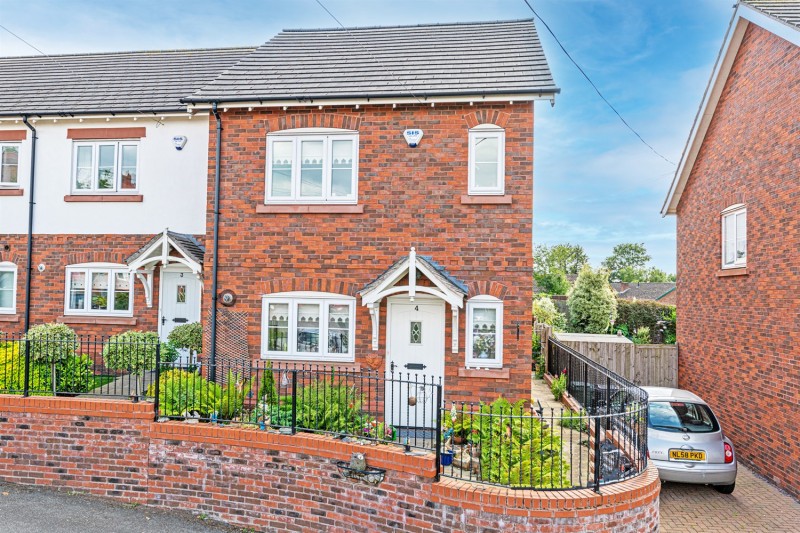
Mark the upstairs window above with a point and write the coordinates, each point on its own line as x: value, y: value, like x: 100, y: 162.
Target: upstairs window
x: 484, y: 332
x: 99, y: 289
x: 734, y: 237
x: 8, y: 288
x: 105, y: 167
x: 487, y: 149
x: 312, y: 167
x: 308, y: 326
x: 9, y: 165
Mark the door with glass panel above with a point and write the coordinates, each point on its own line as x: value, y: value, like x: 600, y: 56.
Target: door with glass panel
x: 180, y: 304
x: 414, y: 360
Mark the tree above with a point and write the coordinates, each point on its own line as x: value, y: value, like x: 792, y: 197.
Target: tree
x: 592, y: 304
x: 545, y: 311
x: 626, y: 258
x: 567, y: 258
x: 52, y: 344
x: 187, y: 337
x: 552, y: 283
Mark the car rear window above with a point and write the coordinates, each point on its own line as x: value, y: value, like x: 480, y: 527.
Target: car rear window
x: 682, y: 416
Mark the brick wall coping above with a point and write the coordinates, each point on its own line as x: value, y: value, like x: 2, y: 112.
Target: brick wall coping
x: 77, y: 406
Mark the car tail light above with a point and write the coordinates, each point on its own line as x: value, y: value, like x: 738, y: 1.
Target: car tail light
x: 728, y: 453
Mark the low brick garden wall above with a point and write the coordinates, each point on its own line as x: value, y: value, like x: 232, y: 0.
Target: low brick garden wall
x: 273, y: 482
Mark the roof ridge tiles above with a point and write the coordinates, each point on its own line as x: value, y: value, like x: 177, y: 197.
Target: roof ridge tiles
x: 405, y: 26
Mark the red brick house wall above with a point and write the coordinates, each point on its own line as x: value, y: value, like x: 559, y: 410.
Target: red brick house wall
x: 739, y: 336
x: 410, y: 197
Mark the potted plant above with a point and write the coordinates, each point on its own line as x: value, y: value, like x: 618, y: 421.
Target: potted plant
x: 484, y: 346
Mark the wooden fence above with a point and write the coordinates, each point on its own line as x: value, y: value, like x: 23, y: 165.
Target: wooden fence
x: 653, y: 365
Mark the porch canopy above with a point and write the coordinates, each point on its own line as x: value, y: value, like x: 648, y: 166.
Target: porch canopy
x: 165, y: 248
x: 445, y: 286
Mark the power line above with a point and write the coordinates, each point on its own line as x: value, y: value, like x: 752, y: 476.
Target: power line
x: 54, y: 60
x: 595, y: 86
x: 371, y: 55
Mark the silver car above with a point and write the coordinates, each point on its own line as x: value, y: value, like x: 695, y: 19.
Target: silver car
x: 686, y: 442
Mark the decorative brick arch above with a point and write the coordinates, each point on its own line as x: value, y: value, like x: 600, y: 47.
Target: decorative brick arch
x: 485, y: 116
x: 308, y: 284
x: 732, y: 198
x: 492, y: 288
x: 313, y: 120
x: 12, y: 257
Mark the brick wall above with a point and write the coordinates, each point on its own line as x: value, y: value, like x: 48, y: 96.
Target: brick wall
x: 739, y: 335
x: 410, y: 197
x: 56, y: 252
x: 273, y: 482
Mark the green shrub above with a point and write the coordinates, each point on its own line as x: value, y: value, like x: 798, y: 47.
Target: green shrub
x: 559, y: 385
x: 552, y: 282
x: 546, y: 312
x: 75, y: 374
x: 232, y: 394
x: 268, y: 392
x: 518, y: 453
x: 641, y: 335
x: 187, y: 337
x: 134, y: 351
x: 12, y: 371
x: 635, y: 314
x: 51, y: 343
x: 573, y: 420
x: 181, y: 393
x: 324, y: 405
x: 591, y: 302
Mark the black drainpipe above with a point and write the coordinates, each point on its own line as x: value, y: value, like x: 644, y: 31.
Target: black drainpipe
x: 30, y: 227
x: 212, y: 358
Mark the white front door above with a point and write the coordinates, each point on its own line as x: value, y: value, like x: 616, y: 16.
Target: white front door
x: 414, y: 360
x: 180, y: 304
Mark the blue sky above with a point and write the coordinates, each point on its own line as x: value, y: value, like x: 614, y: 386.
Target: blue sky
x: 595, y: 183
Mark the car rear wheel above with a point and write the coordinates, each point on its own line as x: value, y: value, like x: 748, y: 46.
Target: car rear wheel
x: 725, y: 489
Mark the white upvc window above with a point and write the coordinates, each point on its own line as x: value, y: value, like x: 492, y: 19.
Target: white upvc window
x: 9, y: 165
x: 734, y: 236
x: 8, y: 288
x: 105, y: 167
x: 310, y: 326
x: 312, y: 166
x: 98, y: 289
x: 484, y: 332
x: 487, y: 152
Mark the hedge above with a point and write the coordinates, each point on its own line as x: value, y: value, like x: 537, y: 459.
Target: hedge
x: 638, y: 313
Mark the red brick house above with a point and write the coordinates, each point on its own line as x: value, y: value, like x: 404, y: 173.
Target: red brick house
x: 375, y: 190
x: 736, y: 195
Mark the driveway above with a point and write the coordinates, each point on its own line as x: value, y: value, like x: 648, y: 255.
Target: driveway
x: 754, y: 506
x: 38, y: 510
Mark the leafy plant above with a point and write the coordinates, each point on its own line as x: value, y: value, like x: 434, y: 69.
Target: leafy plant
x: 12, y: 371
x: 268, y: 393
x: 232, y: 394
x: 134, y: 351
x: 641, y: 335
x: 51, y: 344
x: 457, y: 426
x: 573, y: 420
x: 516, y: 449
x: 181, y: 393
x: 591, y: 302
x: 546, y: 312
x: 552, y: 282
x: 634, y: 314
x: 323, y: 405
x: 75, y: 374
x: 187, y: 337
x: 559, y: 385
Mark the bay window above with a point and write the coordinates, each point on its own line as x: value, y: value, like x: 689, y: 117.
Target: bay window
x: 484, y: 332
x: 99, y: 289
x: 105, y: 167
x: 312, y: 168
x: 308, y: 326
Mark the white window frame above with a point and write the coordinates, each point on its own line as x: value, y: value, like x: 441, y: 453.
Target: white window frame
x: 733, y: 211
x: 95, y: 189
x: 18, y: 146
x: 293, y: 299
x: 484, y: 131
x: 94, y: 268
x: 6, y: 266
x: 484, y: 301
x: 296, y: 136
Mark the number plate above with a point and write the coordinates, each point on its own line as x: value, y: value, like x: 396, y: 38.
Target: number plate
x: 687, y: 455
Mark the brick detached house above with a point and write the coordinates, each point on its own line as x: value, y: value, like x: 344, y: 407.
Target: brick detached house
x: 375, y: 190
x: 103, y: 188
x: 737, y: 199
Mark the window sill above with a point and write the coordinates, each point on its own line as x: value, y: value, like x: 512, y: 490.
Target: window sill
x: 9, y: 318
x: 105, y: 320
x: 485, y: 199
x: 309, y: 209
x: 104, y: 198
x: 11, y: 192
x: 346, y: 366
x: 491, y: 373
x: 730, y: 272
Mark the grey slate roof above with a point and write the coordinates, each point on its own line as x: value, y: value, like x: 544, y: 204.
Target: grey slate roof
x: 187, y: 243
x: 474, y: 59
x: 438, y: 270
x: 787, y: 11
x: 120, y: 82
x: 642, y: 291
